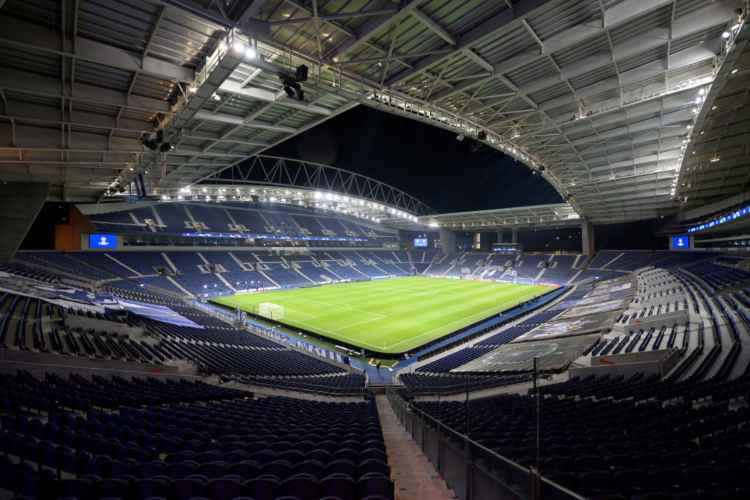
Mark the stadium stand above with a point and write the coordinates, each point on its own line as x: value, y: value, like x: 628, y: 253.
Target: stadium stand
x: 145, y: 438
x: 695, y: 308
x: 230, y: 220
x: 688, y: 311
x: 663, y: 439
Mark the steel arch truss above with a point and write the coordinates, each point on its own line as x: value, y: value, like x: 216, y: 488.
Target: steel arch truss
x: 289, y: 172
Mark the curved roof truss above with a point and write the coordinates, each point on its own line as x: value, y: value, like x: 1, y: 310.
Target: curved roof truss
x: 290, y: 172
x: 597, y: 95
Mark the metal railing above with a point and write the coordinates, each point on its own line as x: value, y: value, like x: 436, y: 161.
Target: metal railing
x: 471, y: 470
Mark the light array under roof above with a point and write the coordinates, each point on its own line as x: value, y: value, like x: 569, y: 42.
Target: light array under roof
x: 362, y: 208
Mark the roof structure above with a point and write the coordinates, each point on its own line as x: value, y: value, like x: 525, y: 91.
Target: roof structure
x: 535, y: 216
x: 718, y: 155
x: 596, y: 95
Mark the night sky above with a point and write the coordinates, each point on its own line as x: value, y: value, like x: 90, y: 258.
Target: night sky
x: 423, y: 160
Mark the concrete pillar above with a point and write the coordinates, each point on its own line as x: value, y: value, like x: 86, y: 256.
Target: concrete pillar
x: 448, y: 241
x: 21, y: 203
x: 514, y: 235
x: 500, y: 236
x: 587, y: 238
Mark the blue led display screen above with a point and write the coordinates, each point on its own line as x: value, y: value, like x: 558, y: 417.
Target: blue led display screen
x: 100, y: 240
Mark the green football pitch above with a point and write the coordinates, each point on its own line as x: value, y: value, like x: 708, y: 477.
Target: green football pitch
x: 389, y: 316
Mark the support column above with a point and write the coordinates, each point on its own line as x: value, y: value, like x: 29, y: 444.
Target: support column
x: 22, y: 202
x: 500, y: 236
x: 448, y: 241
x: 587, y: 238
x: 514, y: 235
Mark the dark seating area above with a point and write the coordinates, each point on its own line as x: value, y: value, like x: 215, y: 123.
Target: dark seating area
x: 454, y: 383
x: 222, y: 445
x: 76, y: 392
x: 621, y: 437
x: 216, y: 348
x: 719, y: 276
x: 341, y: 385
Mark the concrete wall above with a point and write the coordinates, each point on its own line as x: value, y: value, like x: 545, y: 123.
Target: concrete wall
x: 21, y: 204
x: 448, y: 242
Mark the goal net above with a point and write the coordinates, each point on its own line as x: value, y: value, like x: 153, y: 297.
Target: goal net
x: 270, y: 310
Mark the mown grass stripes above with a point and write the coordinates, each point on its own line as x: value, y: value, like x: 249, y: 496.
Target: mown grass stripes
x: 389, y: 316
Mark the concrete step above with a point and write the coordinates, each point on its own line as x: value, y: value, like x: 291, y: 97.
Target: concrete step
x: 413, y: 474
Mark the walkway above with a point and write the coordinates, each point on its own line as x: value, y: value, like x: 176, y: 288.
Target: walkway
x: 414, y: 476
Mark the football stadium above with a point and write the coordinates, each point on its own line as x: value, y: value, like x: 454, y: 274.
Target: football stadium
x: 374, y: 250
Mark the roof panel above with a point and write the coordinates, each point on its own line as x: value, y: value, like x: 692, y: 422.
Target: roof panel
x: 531, y: 72
x: 126, y: 24
x: 47, y: 13
x: 512, y: 42
x: 647, y: 23
x: 590, y: 78
x: 596, y: 45
x: 102, y: 76
x: 550, y: 93
x: 41, y: 63
x: 562, y: 15
x: 642, y: 58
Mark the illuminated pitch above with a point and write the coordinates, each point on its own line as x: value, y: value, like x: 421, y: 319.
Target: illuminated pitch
x: 386, y: 316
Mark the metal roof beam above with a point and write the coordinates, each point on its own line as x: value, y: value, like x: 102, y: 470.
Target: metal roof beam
x: 478, y: 60
x: 210, y: 137
x: 433, y: 26
x: 682, y: 59
x: 279, y: 98
x: 238, y: 120
x: 675, y: 117
x: 48, y: 116
x: 657, y: 138
x: 616, y: 15
x: 392, y: 57
x: 18, y: 33
x: 507, y: 18
x: 336, y: 17
x: 31, y: 83
x: 506, y: 66
x: 695, y: 22
x: 599, y: 190
x: 371, y: 28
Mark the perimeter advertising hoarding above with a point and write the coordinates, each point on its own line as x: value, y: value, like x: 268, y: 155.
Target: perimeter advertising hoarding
x: 158, y: 313
x: 610, y: 288
x: 57, y: 293
x: 519, y: 356
x: 593, y: 323
x: 599, y: 307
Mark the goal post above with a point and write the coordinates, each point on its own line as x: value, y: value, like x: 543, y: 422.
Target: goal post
x: 270, y: 310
